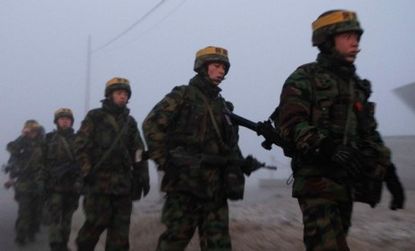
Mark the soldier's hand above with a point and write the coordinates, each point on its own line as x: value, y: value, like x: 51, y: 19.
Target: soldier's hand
x: 141, y: 180
x: 395, y: 188
x: 348, y: 158
x: 397, y: 202
x: 345, y: 156
x: 266, y: 130
x: 251, y: 164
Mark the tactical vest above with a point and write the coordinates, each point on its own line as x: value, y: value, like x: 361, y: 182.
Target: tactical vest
x: 63, y: 169
x: 106, y: 130
x: 193, y: 134
x: 335, y: 103
x: 334, y: 106
x: 193, y: 127
x: 59, y: 151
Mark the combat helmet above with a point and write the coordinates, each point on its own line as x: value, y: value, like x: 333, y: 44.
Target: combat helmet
x: 333, y: 22
x: 211, y: 54
x: 63, y: 112
x: 117, y: 83
x: 31, y: 124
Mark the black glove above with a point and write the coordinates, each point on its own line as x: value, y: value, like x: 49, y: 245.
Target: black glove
x: 345, y: 156
x: 395, y: 188
x: 266, y: 130
x: 141, y: 181
x: 251, y: 164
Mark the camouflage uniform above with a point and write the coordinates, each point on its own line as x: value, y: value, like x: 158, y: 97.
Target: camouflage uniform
x: 107, y: 174
x: 61, y: 176
x: 183, y: 141
x: 321, y: 102
x: 26, y: 155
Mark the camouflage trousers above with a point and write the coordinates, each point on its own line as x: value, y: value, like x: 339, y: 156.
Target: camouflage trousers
x: 105, y: 212
x: 182, y: 214
x: 28, y: 215
x: 61, y: 208
x: 326, y: 223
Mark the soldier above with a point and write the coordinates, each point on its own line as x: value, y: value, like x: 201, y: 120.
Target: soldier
x: 26, y: 155
x: 196, y: 146
x: 61, y: 175
x: 109, y: 148
x: 325, y: 113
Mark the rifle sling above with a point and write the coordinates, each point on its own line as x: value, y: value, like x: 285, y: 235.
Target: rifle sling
x: 117, y: 139
x: 212, y: 117
x: 66, y: 147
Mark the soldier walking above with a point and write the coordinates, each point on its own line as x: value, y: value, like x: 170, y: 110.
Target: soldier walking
x: 61, y: 176
x: 195, y: 144
x: 109, y: 148
x: 24, y: 167
x: 326, y: 114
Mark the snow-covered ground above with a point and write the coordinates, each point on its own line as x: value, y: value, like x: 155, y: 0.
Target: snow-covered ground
x: 268, y: 219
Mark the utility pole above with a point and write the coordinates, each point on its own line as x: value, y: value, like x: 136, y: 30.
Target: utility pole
x: 88, y: 76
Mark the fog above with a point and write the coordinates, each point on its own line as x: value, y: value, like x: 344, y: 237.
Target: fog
x: 44, y: 55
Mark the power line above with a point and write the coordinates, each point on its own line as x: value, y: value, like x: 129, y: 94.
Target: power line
x: 141, y: 19
x: 154, y: 26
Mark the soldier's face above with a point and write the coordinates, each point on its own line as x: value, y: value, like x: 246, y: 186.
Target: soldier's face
x: 120, y: 97
x: 33, y: 133
x: 216, y: 72
x: 64, y: 122
x: 347, y: 44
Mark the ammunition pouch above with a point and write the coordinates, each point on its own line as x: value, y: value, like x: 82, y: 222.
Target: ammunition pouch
x: 368, y: 188
x: 234, y: 182
x: 368, y: 191
x: 203, y: 175
x: 184, y: 172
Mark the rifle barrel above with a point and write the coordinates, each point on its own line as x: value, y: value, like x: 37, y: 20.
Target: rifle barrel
x: 243, y: 121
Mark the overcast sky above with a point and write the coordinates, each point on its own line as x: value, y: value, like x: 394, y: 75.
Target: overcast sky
x: 44, y: 52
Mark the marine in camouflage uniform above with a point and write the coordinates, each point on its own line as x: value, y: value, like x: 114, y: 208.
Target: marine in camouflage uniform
x: 109, y: 148
x: 24, y: 167
x: 195, y: 145
x: 325, y: 111
x: 61, y: 176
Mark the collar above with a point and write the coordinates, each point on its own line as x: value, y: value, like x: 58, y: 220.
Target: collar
x: 65, y: 132
x: 114, y: 109
x: 336, y: 64
x: 205, y: 86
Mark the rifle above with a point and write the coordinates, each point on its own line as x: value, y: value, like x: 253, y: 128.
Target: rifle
x: 264, y: 129
x: 250, y: 163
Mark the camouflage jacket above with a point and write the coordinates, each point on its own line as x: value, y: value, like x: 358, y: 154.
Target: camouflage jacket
x: 26, y: 163
x: 326, y: 99
x: 106, y: 163
x: 179, y: 130
x: 61, y: 170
